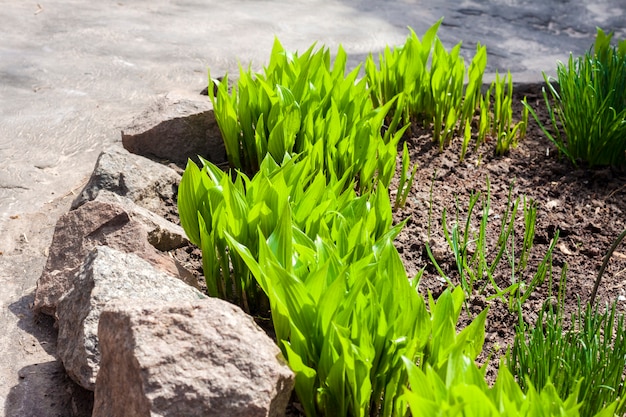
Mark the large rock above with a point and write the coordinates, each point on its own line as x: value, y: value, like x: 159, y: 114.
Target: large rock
x: 203, y: 358
x: 107, y: 275
x: 177, y: 126
x: 148, y: 184
x: 77, y: 232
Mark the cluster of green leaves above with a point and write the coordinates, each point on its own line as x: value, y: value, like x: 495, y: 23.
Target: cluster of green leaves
x: 587, y: 106
x: 303, y: 104
x: 498, y: 122
x: 427, y: 83
x: 449, y: 383
x: 475, y: 270
x: 349, y: 322
x: 357, y: 334
x: 587, y: 359
x: 212, y: 205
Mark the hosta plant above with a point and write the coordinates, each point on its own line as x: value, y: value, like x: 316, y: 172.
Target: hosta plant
x: 303, y: 104
x: 212, y: 203
x: 449, y: 382
x: 437, y: 89
x: 587, y: 106
x: 497, y: 122
x: 348, y: 329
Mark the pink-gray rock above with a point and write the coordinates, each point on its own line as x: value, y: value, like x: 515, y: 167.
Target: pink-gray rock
x: 162, y: 234
x: 77, y: 232
x: 203, y: 358
x: 176, y: 127
x: 107, y: 275
x: 148, y: 184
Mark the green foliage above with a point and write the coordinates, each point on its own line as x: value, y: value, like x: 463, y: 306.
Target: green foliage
x: 344, y: 323
x: 449, y: 383
x: 304, y: 227
x: 587, y: 107
x: 213, y: 204
x: 431, y: 83
x: 303, y: 104
x: 458, y: 388
x: 587, y: 359
x: 501, y: 124
x: 470, y: 250
x: 406, y: 179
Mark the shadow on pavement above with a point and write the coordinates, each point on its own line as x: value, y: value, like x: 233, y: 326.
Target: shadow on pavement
x: 38, y: 392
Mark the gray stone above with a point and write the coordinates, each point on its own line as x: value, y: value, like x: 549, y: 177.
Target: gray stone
x: 148, y: 184
x: 177, y: 126
x: 107, y: 275
x: 202, y: 358
x: 77, y: 232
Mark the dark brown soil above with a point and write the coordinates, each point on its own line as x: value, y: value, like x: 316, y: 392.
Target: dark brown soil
x: 586, y: 206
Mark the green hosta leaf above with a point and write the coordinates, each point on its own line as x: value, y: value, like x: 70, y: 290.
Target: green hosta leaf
x: 280, y: 241
x: 189, y: 200
x: 305, y: 380
x: 473, y: 336
x: 210, y: 262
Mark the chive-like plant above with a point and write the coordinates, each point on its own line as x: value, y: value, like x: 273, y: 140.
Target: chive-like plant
x: 587, y: 105
x: 477, y: 269
x: 587, y: 358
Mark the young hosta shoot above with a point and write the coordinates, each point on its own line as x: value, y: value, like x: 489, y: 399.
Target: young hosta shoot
x: 303, y: 104
x: 344, y: 326
x: 506, y: 133
x: 405, y: 182
x: 475, y: 269
x: 438, y: 90
x: 588, y: 109
x: 458, y: 388
x: 449, y: 383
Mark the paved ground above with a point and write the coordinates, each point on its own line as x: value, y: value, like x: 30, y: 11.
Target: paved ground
x: 74, y: 73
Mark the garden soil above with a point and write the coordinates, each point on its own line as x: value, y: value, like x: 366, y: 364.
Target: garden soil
x: 585, y: 206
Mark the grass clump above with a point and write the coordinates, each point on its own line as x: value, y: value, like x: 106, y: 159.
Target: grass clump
x: 588, y: 358
x: 587, y: 106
